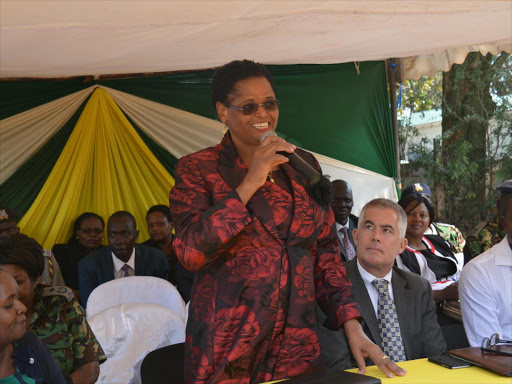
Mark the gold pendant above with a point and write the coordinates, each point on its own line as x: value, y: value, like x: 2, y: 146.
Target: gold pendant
x: 270, y: 178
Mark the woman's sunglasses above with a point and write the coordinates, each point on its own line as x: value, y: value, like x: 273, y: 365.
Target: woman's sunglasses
x: 252, y: 108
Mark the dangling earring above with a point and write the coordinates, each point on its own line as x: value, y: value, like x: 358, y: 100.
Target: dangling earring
x: 226, y: 128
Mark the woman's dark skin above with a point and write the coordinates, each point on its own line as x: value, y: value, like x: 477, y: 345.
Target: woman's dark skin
x: 418, y: 220
x: 85, y: 374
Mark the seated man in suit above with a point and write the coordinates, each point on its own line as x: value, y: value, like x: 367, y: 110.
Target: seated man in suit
x: 345, y: 222
x: 397, y: 307
x: 121, y: 258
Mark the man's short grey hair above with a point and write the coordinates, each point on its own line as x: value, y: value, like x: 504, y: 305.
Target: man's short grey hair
x: 386, y: 204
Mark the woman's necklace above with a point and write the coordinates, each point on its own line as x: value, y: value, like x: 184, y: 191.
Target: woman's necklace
x: 269, y: 176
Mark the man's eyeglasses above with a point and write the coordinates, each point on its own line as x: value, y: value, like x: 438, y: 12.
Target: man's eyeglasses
x: 252, y: 108
x: 494, y: 341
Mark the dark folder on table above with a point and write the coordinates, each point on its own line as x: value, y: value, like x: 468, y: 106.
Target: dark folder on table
x: 497, y: 363
x: 333, y: 377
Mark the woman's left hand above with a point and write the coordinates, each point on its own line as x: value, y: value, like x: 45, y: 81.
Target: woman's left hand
x: 451, y: 292
x: 362, y: 347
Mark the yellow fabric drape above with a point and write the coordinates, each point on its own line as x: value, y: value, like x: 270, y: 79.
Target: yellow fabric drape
x: 104, y: 167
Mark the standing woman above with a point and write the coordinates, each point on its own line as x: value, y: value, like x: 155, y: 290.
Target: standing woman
x: 429, y: 255
x: 86, y: 238
x: 263, y: 248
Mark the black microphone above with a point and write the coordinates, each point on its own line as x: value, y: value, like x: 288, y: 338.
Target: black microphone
x: 297, y: 162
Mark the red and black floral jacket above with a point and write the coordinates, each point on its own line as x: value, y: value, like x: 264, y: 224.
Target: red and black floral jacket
x: 252, y: 310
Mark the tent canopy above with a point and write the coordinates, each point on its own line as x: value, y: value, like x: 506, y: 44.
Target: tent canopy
x: 74, y: 38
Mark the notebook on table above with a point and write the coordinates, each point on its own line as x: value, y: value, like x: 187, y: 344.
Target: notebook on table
x: 333, y: 377
x: 499, y: 364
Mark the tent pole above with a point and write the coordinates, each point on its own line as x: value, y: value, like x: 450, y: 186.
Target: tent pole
x: 392, y: 69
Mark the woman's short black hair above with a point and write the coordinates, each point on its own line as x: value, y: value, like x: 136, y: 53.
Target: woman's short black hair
x: 225, y: 78
x: 24, y: 252
x: 416, y: 199
x: 160, y: 208
x: 78, y: 223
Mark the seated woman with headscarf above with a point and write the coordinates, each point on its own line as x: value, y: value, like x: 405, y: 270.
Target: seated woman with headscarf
x: 429, y: 255
x: 24, y: 358
x: 86, y: 238
x: 53, y: 313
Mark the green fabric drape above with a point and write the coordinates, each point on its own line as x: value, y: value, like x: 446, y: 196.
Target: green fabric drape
x: 20, y: 96
x: 329, y: 109
x: 22, y: 187
x: 165, y: 158
x: 20, y: 190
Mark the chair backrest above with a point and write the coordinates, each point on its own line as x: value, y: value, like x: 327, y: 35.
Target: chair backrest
x: 127, y: 332
x: 135, y: 289
x: 163, y: 363
x: 187, y: 307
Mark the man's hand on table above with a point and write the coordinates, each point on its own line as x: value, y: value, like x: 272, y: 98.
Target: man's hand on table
x: 362, y: 347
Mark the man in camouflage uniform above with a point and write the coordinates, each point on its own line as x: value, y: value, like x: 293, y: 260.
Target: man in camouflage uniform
x: 448, y: 232
x: 9, y: 227
x: 451, y: 234
x: 60, y: 321
x: 53, y: 313
x: 487, y: 234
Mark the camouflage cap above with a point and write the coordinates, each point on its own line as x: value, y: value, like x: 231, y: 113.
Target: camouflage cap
x: 505, y: 188
x: 8, y: 214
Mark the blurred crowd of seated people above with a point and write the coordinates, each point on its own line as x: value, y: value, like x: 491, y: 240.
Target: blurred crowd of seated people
x: 53, y: 285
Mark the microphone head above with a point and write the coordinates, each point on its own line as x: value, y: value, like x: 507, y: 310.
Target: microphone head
x: 266, y: 134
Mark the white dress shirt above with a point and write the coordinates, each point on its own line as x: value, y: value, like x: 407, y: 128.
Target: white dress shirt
x: 118, y: 264
x: 485, y: 291
x: 372, y: 291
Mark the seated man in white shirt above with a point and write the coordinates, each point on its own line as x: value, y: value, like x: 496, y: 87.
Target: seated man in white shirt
x: 122, y: 258
x: 397, y: 307
x: 485, y: 285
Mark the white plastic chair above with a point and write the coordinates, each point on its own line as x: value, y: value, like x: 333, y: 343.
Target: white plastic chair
x: 128, y: 332
x: 135, y: 289
x: 187, y: 308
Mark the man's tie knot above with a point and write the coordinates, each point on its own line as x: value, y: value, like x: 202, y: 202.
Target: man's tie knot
x: 381, y: 285
x: 126, y: 270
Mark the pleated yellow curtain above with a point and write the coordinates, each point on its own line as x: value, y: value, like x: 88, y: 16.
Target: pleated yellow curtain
x: 105, y: 167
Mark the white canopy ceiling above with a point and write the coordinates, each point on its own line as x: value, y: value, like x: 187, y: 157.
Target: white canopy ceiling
x: 73, y: 38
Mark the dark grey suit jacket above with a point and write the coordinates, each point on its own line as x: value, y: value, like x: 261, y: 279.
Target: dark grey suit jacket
x: 352, y: 224
x: 98, y: 268
x: 416, y: 310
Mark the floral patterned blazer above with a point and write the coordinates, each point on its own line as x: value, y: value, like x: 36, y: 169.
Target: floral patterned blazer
x: 252, y: 310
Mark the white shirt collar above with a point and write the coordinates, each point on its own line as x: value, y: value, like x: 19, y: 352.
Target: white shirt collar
x: 118, y: 264
x: 503, y: 253
x: 339, y: 226
x: 368, y: 277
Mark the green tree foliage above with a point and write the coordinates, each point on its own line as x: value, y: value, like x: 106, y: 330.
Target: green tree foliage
x: 474, y: 152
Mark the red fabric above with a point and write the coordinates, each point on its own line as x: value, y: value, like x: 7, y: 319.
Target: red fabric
x: 252, y: 310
